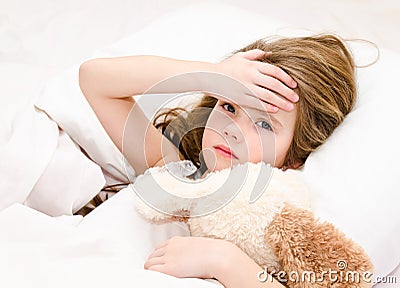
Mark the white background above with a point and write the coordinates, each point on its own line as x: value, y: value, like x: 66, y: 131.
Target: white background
x: 58, y: 33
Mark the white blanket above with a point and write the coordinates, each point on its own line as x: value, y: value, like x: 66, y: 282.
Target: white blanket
x: 43, y: 168
x: 106, y: 249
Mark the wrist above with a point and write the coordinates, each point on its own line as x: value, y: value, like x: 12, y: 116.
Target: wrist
x: 237, y: 269
x: 206, y: 77
x: 229, y: 259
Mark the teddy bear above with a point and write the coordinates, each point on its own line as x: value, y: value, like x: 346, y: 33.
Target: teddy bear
x: 264, y: 211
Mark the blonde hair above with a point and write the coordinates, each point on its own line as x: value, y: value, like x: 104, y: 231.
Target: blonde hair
x: 323, y: 68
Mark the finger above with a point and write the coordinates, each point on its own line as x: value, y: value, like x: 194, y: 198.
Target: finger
x: 253, y: 54
x: 273, y: 98
x: 276, y: 86
x: 276, y: 72
x: 161, y: 245
x: 271, y: 108
x: 159, y: 268
x: 153, y: 261
x: 251, y: 101
x: 260, y: 104
x: 157, y: 253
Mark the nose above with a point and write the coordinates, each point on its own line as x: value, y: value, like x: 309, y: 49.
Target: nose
x: 233, y: 131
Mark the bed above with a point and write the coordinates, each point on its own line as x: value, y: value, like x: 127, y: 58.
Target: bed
x: 354, y: 175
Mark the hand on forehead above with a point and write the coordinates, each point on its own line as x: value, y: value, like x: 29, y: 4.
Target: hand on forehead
x: 252, y: 107
x: 232, y: 90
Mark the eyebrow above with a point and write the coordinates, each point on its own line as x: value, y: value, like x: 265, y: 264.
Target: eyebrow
x: 270, y: 116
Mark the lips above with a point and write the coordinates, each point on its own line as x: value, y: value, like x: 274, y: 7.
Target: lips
x: 225, y: 151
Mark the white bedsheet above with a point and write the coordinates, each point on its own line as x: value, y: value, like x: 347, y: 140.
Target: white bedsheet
x: 106, y: 249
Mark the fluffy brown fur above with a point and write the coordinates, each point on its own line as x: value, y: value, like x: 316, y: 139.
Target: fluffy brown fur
x: 303, y: 244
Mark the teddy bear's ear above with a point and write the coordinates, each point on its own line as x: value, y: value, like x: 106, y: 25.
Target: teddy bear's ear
x: 314, y: 254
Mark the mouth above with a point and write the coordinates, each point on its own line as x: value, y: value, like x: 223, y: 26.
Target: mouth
x: 225, y: 151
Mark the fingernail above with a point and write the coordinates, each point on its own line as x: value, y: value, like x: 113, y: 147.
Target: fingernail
x: 294, y: 84
x: 273, y: 109
x: 289, y: 106
x: 295, y: 97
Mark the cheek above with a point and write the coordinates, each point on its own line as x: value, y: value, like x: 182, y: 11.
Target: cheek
x: 212, y: 117
x: 207, y: 134
x: 254, y: 147
x: 212, y: 131
x: 263, y: 149
x: 207, y: 138
x: 282, y: 145
x: 208, y: 142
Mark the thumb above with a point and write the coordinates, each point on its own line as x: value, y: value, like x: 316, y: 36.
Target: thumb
x: 254, y: 54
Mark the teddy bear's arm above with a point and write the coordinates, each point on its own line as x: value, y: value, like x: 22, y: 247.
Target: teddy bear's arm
x: 315, y: 254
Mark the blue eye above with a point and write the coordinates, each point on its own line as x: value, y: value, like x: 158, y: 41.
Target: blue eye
x: 264, y: 125
x: 228, y: 107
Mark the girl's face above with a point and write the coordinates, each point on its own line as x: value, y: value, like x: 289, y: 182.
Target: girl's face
x: 237, y: 134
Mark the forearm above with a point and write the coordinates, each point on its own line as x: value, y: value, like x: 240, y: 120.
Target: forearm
x: 237, y: 269
x: 121, y: 77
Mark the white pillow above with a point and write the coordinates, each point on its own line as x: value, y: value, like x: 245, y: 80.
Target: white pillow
x: 353, y: 178
x: 354, y: 174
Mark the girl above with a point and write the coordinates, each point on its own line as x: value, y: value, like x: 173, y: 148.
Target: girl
x: 304, y: 109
